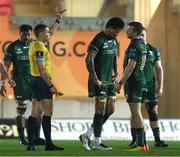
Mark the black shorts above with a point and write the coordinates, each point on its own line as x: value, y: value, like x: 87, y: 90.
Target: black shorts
x: 40, y: 90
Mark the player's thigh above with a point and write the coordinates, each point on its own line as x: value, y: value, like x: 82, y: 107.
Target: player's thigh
x: 100, y: 105
x: 110, y: 105
x: 151, y: 93
x: 135, y: 91
x: 111, y: 93
x: 23, y: 89
x: 135, y: 108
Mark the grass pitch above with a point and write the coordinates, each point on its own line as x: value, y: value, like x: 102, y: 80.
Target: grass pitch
x: 10, y: 147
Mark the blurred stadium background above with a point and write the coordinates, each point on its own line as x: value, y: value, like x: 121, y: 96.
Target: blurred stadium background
x: 82, y: 20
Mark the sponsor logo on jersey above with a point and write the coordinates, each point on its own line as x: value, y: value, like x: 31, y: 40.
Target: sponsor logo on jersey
x: 25, y: 47
x: 109, y: 51
x: 105, y: 45
x: 151, y: 52
x: 19, y: 51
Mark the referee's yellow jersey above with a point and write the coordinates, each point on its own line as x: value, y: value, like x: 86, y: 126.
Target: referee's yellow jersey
x: 39, y: 53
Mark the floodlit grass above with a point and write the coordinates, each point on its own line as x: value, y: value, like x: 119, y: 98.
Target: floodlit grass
x: 10, y: 147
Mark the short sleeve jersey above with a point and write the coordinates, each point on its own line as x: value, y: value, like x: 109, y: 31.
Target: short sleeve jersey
x: 106, y: 51
x: 39, y: 53
x: 17, y: 53
x: 152, y: 56
x: 136, y: 51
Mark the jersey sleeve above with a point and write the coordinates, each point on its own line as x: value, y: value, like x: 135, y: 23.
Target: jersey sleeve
x: 8, y: 55
x: 39, y: 53
x: 95, y: 45
x: 157, y: 55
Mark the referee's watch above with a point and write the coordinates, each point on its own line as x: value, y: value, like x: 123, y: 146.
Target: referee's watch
x: 57, y: 21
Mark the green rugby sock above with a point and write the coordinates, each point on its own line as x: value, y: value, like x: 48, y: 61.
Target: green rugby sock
x: 20, y: 123
x: 156, y: 134
x: 105, y: 118
x: 140, y: 136
x: 134, y: 134
x: 97, y: 124
x: 21, y: 133
x: 145, y: 138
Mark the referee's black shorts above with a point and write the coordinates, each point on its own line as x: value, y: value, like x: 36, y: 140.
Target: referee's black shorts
x: 40, y: 90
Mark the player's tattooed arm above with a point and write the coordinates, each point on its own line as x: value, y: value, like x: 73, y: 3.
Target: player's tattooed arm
x: 91, y: 68
x: 90, y: 64
x: 115, y: 68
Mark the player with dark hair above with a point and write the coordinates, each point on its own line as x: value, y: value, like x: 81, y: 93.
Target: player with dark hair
x: 42, y: 85
x: 153, y: 63
x: 17, y: 54
x: 102, y: 64
x: 134, y: 81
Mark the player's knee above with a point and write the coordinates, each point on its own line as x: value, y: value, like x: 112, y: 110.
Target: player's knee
x: 110, y: 110
x: 21, y: 109
x: 153, y: 117
x: 153, y: 114
x: 99, y: 110
x: 20, y: 121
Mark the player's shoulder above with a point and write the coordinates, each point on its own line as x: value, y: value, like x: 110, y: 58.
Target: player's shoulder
x: 13, y: 44
x: 152, y: 48
x: 136, y: 43
x: 99, y: 34
x: 140, y: 44
x: 99, y: 37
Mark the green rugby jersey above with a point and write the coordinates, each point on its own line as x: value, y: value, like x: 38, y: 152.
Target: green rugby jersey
x: 152, y: 56
x: 106, y: 51
x: 17, y: 53
x: 136, y: 51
